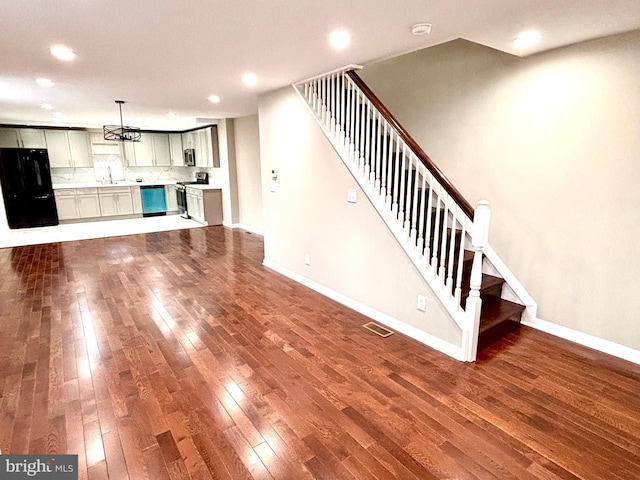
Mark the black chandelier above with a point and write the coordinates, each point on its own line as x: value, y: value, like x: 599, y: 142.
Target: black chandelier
x: 120, y: 132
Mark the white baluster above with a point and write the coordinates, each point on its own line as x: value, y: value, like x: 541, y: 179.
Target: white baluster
x: 479, y: 240
x: 423, y: 187
x: 396, y: 175
x: 383, y: 172
x: 458, y: 290
x: 452, y: 251
x: 413, y: 210
x: 367, y: 142
x: 354, y: 118
x: 402, y: 172
x: 390, y: 167
x: 378, y: 181
x: 436, y: 233
x: 443, y: 240
x: 427, y: 227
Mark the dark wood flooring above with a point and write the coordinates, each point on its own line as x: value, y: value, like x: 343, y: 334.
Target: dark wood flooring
x: 177, y: 355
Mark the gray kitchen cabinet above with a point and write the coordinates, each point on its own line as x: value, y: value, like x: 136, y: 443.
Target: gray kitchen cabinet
x: 201, y: 141
x: 203, y: 150
x: 66, y: 203
x: 136, y: 199
x: 175, y: 147
x: 205, y: 205
x: 151, y: 151
x: 80, y: 148
x: 88, y: 202
x: 73, y: 203
x: 115, y: 201
x: 171, y: 198
x: 68, y: 148
x: 58, y: 148
x: 142, y: 151
x: 161, y: 150
x: 22, y: 138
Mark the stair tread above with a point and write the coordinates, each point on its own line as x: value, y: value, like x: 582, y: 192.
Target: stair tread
x: 497, y: 310
x: 488, y: 282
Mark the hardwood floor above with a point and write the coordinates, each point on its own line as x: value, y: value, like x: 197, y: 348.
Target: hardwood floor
x: 176, y: 355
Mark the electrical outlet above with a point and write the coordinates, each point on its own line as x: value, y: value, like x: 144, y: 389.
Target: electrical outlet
x: 351, y: 195
x: 422, y: 303
x: 307, y: 259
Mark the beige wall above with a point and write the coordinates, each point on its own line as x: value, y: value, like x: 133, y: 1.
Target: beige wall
x: 351, y: 250
x: 247, y: 143
x: 553, y: 142
x: 228, y: 174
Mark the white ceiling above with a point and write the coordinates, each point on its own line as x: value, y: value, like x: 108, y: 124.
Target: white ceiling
x: 170, y: 55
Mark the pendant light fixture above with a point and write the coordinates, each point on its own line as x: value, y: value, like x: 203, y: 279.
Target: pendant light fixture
x: 120, y: 132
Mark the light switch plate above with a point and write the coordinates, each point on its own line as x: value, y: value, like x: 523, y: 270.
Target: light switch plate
x: 422, y: 303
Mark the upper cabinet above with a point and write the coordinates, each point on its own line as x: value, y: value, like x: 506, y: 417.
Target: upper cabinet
x: 80, y: 148
x: 68, y: 148
x: 204, y: 144
x: 175, y: 146
x: 152, y: 150
x: 22, y: 138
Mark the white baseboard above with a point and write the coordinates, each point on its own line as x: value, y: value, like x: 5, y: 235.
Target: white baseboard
x: 605, y: 346
x: 243, y: 227
x: 447, y: 348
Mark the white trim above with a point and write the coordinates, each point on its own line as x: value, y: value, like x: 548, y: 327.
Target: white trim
x: 243, y: 227
x: 447, y: 348
x: 512, y: 282
x: 600, y: 344
x: 337, y: 70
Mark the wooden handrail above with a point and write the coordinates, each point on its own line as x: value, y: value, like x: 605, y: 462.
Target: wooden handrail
x: 417, y: 150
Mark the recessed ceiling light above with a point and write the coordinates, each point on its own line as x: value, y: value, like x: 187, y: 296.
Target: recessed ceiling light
x: 340, y: 39
x: 46, y: 106
x: 44, y: 82
x: 216, y: 98
x: 420, y: 29
x: 62, y: 53
x: 171, y: 115
x: 249, y: 79
x: 57, y: 115
x: 526, y: 39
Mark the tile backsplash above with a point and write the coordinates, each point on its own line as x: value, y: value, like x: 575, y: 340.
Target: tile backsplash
x: 147, y: 174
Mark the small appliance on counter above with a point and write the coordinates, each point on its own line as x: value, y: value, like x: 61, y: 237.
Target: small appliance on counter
x: 25, y: 176
x: 181, y: 192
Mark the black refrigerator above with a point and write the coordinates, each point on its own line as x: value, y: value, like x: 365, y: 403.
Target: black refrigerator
x: 25, y: 177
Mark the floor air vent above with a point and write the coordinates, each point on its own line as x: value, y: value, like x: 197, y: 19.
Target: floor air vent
x: 378, y: 329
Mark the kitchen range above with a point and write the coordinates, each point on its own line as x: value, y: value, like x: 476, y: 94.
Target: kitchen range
x: 181, y: 192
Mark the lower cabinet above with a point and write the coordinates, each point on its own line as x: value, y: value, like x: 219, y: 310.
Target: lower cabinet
x: 115, y: 201
x: 205, y: 205
x: 171, y: 198
x: 75, y: 203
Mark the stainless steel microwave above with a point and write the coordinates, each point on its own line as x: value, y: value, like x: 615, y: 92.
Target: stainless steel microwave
x: 190, y: 157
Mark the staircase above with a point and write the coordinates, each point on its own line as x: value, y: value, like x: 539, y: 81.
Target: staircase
x: 442, y: 234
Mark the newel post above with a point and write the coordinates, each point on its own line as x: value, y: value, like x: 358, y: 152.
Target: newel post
x: 479, y: 240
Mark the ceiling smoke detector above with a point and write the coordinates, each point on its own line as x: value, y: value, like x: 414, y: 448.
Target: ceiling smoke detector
x: 420, y: 29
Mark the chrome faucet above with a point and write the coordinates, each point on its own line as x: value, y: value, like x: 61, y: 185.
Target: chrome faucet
x: 109, y: 173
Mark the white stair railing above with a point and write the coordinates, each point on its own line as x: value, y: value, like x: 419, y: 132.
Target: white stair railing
x: 417, y: 206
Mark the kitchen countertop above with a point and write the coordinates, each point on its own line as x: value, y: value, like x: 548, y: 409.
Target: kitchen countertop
x: 203, y: 186
x: 123, y: 183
